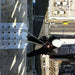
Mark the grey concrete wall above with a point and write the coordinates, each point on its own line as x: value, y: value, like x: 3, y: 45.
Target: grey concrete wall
x: 13, y: 62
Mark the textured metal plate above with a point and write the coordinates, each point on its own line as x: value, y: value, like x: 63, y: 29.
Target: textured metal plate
x: 13, y: 35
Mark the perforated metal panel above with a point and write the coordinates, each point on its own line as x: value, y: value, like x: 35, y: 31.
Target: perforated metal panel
x: 13, y: 35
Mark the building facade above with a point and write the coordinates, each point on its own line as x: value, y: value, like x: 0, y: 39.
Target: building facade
x: 54, y: 66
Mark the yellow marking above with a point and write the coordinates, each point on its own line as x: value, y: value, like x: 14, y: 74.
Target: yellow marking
x: 65, y: 23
